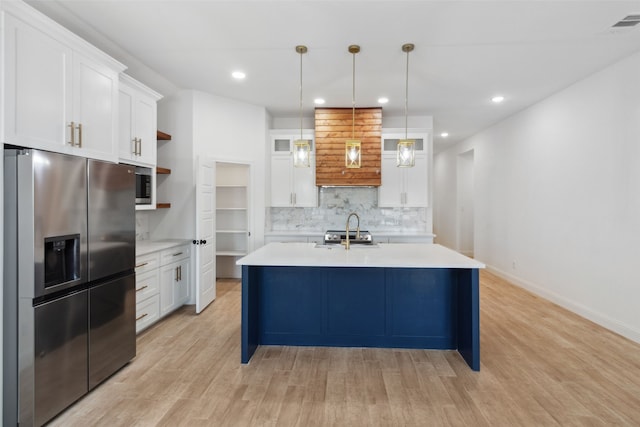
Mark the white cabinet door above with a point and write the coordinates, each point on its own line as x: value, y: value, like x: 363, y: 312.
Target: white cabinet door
x: 174, y: 285
x: 38, y: 87
x: 305, y: 192
x: 404, y: 187
x: 145, y: 116
x: 137, y: 123
x: 181, y: 290
x: 168, y: 280
x: 390, y: 192
x: 95, y: 101
x: 281, y: 192
x: 51, y: 86
x: 303, y: 180
x: 416, y: 183
x: 291, y: 186
x: 127, y: 147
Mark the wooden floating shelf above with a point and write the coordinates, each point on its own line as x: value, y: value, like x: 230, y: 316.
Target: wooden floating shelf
x: 163, y: 171
x: 163, y: 205
x: 161, y: 136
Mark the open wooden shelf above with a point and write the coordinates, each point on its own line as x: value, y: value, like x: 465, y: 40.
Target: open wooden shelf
x: 163, y: 171
x: 161, y: 136
x: 163, y: 205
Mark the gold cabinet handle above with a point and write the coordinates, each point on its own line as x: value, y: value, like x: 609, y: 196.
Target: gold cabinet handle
x: 72, y: 126
x: 144, y: 287
x: 80, y: 135
x: 142, y: 265
x: 142, y: 317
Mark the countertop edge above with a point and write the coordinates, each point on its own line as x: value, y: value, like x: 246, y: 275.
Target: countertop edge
x: 144, y: 247
x: 385, y: 255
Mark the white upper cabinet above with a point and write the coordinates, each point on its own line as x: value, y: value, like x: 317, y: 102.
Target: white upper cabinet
x: 404, y: 187
x: 137, y: 122
x: 61, y: 94
x: 291, y: 186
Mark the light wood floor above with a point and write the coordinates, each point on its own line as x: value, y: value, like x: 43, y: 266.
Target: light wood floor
x: 541, y: 366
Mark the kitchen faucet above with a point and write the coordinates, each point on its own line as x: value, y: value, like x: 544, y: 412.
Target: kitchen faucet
x: 346, y: 242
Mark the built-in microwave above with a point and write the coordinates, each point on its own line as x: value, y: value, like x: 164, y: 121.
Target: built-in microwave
x: 143, y: 185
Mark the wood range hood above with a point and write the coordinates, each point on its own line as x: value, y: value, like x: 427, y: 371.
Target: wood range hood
x: 333, y: 126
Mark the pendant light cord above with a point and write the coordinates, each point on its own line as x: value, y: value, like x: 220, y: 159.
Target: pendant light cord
x: 301, y: 53
x: 353, y: 99
x: 406, y: 101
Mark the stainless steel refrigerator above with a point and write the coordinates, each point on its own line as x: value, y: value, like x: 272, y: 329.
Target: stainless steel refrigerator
x: 69, y: 281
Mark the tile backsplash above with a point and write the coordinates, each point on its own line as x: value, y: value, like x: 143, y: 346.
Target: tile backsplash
x: 142, y: 225
x: 335, y: 204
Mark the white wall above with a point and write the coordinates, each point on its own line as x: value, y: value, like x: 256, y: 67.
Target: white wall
x: 464, y: 208
x: 175, y: 117
x: 210, y: 126
x: 228, y: 130
x: 557, y: 197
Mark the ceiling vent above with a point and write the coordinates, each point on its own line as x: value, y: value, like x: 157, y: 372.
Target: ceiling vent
x: 628, y: 21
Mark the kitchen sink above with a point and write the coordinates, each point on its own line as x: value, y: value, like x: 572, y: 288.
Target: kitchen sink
x: 339, y: 246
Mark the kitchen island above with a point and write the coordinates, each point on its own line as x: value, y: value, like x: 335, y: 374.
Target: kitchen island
x: 384, y: 295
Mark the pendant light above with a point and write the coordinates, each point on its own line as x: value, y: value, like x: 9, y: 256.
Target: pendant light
x: 406, y: 146
x: 301, y: 147
x: 352, y: 146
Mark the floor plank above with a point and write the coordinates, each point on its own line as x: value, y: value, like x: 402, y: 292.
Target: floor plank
x: 540, y: 365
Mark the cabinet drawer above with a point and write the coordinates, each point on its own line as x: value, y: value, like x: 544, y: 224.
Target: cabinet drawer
x: 147, y: 262
x: 147, y: 312
x: 147, y: 284
x: 175, y: 254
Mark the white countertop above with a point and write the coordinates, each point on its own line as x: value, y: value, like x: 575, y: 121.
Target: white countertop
x: 398, y: 255
x: 144, y: 247
x: 373, y: 233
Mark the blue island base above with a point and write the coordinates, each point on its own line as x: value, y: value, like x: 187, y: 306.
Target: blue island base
x: 427, y: 308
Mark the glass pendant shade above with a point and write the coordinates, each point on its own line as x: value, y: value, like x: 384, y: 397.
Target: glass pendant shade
x: 352, y: 153
x: 301, y: 153
x: 406, y: 153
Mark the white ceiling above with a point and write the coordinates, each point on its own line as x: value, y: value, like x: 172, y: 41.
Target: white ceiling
x: 466, y: 51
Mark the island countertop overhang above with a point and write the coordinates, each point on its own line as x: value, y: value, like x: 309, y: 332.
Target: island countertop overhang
x: 386, y: 255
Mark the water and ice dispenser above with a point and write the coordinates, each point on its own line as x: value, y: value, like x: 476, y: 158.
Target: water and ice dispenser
x: 61, y: 259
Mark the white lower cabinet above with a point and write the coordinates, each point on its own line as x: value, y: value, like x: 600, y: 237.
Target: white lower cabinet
x: 147, y: 312
x: 162, y: 283
x: 174, y: 289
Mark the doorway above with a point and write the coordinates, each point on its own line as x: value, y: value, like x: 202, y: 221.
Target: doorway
x: 232, y: 217
x: 465, y: 205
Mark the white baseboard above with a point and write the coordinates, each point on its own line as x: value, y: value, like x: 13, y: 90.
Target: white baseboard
x: 599, y: 318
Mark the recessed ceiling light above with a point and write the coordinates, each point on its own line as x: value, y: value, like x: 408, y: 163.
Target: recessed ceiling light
x: 383, y: 100
x: 444, y: 134
x: 318, y: 101
x: 238, y: 75
x: 497, y: 99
